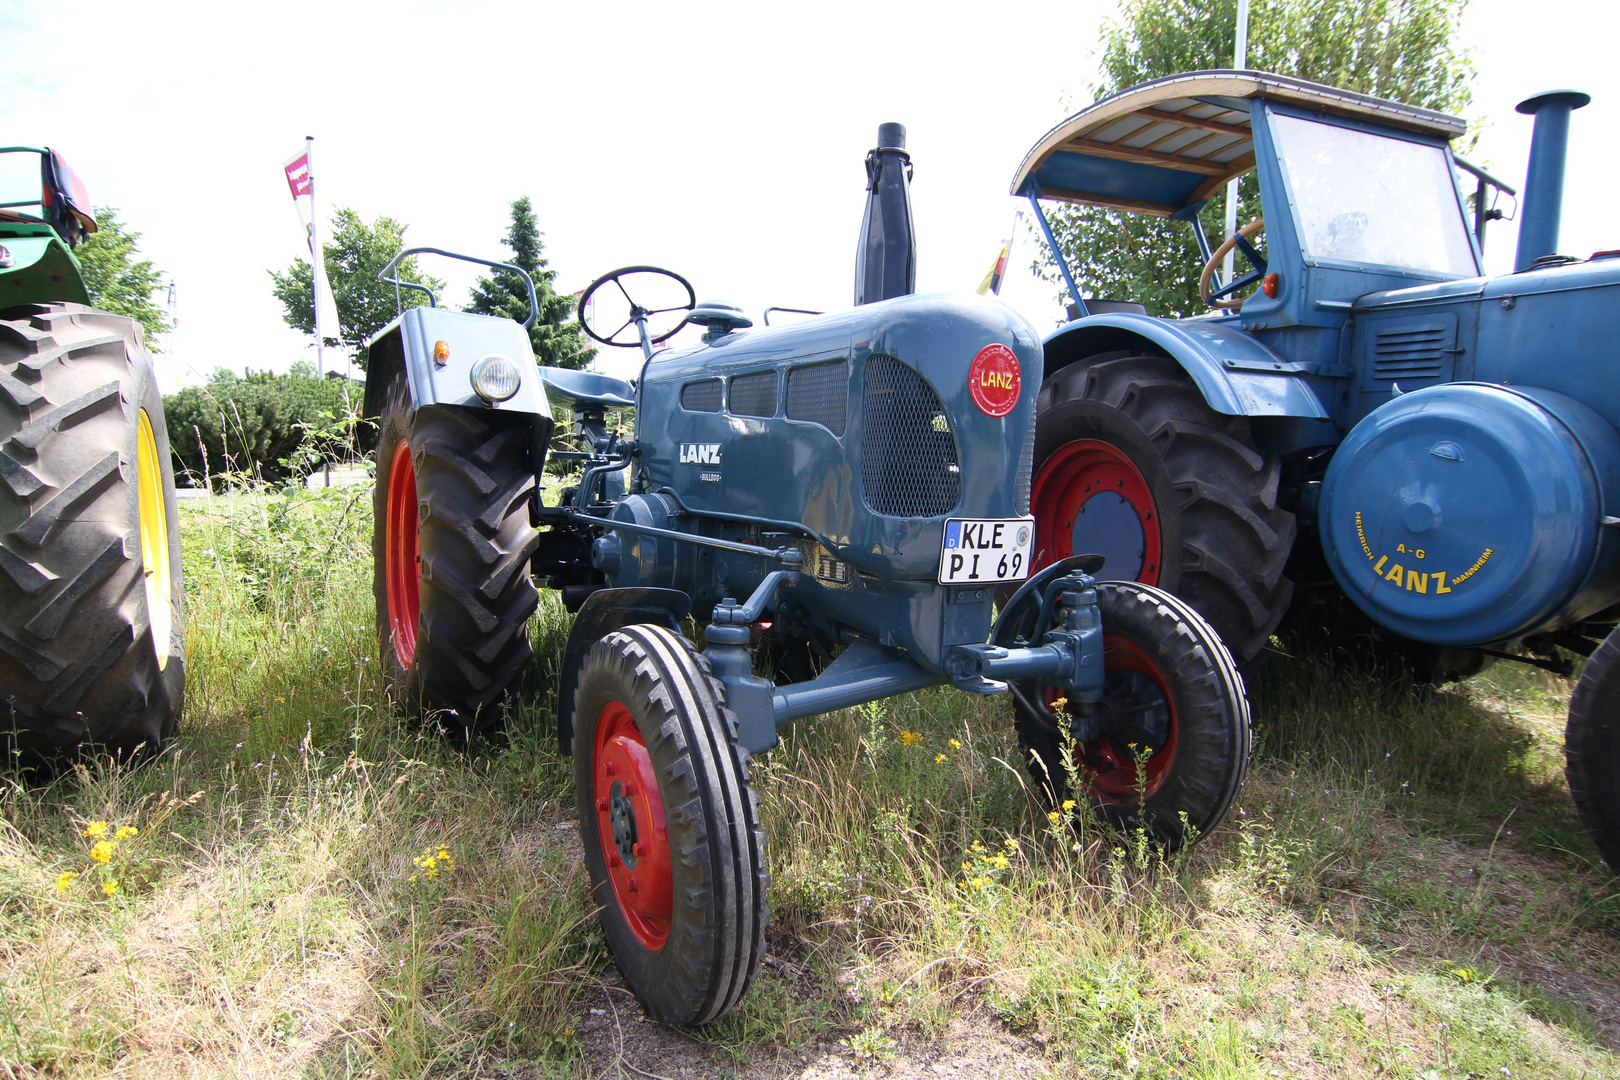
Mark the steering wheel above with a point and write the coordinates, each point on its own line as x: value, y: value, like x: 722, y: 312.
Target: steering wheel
x: 618, y: 302
x: 1222, y: 297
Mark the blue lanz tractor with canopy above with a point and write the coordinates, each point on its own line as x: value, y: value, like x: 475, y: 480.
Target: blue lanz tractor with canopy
x: 1375, y: 421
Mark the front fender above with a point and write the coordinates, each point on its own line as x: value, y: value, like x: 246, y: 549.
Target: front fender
x: 409, y: 343
x: 1236, y: 374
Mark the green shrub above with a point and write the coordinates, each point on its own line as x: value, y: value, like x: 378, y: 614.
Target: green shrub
x: 269, y: 427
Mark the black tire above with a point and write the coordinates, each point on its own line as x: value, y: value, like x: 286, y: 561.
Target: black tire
x: 90, y: 653
x: 1592, y: 749
x: 461, y: 659
x: 683, y: 911
x: 1166, y: 667
x: 1223, y: 541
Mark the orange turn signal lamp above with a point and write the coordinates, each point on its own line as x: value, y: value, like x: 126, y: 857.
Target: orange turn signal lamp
x: 1270, y: 286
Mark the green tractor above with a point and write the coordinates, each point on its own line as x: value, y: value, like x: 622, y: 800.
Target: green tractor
x: 92, y: 637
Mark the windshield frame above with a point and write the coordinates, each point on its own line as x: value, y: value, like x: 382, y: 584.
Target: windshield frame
x: 1284, y: 177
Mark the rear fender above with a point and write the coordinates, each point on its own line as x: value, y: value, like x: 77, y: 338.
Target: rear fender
x: 1236, y: 374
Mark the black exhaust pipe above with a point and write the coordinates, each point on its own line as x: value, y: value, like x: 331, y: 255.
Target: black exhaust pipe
x: 886, y: 259
x: 1544, y: 179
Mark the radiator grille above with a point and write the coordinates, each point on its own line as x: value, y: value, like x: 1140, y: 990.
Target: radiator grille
x: 1410, y: 351
x: 909, y: 464
x: 754, y: 395
x: 820, y: 393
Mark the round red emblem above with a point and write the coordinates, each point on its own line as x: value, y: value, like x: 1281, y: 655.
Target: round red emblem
x: 994, y: 380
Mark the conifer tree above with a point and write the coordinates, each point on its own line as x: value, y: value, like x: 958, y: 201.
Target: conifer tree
x: 555, y: 335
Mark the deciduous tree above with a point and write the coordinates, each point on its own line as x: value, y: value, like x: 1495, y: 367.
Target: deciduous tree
x: 355, y: 252
x: 117, y: 280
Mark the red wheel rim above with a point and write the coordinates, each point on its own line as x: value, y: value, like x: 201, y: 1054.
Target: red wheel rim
x: 402, y: 558
x: 1114, y: 771
x: 1076, y: 472
x: 630, y: 825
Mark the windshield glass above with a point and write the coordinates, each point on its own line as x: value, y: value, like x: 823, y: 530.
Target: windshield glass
x: 20, y: 183
x: 1369, y: 198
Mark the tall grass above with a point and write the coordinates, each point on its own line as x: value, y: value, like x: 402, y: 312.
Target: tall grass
x: 317, y: 888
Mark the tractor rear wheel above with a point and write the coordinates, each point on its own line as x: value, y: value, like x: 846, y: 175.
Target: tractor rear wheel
x: 1592, y: 749
x: 669, y: 824
x: 1175, y: 739
x: 92, y: 629
x: 451, y: 542
x: 1132, y: 463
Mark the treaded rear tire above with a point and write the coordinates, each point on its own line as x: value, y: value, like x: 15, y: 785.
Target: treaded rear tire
x: 1224, y: 541
x: 472, y: 485
x: 1592, y: 749
x: 79, y: 663
x: 714, y: 845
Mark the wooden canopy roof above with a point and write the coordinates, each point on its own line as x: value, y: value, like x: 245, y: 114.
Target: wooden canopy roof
x: 1165, y: 145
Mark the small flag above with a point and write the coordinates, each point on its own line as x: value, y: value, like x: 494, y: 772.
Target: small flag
x: 301, y: 182
x: 992, y: 280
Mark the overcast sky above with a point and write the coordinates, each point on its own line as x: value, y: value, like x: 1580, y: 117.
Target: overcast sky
x: 724, y: 141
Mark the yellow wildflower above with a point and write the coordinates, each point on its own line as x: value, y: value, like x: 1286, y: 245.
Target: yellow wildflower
x: 979, y: 882
x: 102, y: 850
x: 1058, y: 703
x: 1068, y: 804
x: 1012, y: 844
x: 956, y: 744
x: 95, y: 830
x: 280, y: 700
x: 125, y: 832
x: 967, y: 866
x: 1054, y: 817
x: 940, y: 758
x: 999, y: 862
x: 910, y: 738
x: 109, y: 887
x: 65, y: 881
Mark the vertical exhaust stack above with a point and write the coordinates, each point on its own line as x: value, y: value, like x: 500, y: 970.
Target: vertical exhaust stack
x: 886, y: 259
x: 1544, y: 179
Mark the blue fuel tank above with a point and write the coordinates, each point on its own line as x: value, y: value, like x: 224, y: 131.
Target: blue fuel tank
x: 1476, y: 513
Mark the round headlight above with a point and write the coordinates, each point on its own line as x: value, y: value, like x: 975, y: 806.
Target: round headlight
x: 495, y: 378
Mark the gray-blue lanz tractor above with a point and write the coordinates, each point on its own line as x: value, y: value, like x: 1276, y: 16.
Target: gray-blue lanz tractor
x: 1443, y: 442
x: 836, y: 496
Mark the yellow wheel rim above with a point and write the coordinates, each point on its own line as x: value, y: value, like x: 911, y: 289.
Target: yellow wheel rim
x: 154, y: 539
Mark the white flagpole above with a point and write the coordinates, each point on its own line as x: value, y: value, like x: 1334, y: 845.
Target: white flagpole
x: 1240, y: 59
x: 315, y: 256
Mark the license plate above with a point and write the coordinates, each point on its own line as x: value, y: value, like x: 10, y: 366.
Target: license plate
x: 986, y: 549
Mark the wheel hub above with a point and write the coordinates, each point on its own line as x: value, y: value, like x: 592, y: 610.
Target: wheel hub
x: 1089, y: 498
x: 622, y: 813
x: 630, y: 824
x: 1128, y: 741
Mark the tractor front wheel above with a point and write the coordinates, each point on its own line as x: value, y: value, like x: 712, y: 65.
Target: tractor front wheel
x: 1592, y: 749
x: 1132, y: 463
x: 1172, y: 738
x: 451, y: 543
x: 669, y: 824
